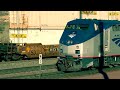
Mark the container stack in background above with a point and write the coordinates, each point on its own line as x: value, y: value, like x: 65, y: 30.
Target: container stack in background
x: 44, y: 27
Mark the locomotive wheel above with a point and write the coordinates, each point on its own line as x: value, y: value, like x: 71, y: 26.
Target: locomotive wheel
x: 24, y: 57
x: 16, y: 57
x: 60, y: 66
x: 0, y: 60
x: 7, y: 57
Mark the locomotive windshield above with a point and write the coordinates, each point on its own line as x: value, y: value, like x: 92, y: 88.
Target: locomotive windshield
x: 77, y: 26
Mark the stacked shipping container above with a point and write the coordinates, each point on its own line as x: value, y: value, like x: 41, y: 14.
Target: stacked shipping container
x: 46, y: 27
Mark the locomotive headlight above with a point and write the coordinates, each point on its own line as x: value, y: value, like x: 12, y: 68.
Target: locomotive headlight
x: 60, y: 46
x: 77, y: 47
x: 61, y: 50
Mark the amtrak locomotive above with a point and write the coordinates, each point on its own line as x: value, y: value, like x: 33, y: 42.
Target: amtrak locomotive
x: 80, y: 44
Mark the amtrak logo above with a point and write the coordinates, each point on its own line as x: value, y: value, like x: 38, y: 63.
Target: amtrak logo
x: 72, y: 35
x: 116, y: 41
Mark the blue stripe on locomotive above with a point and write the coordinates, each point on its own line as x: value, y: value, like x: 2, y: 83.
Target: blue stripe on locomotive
x: 84, y: 35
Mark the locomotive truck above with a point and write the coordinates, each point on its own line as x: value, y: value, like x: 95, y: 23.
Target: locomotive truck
x: 8, y: 51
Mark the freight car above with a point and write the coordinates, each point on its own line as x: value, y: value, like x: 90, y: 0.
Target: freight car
x: 11, y: 51
x: 32, y: 50
x: 85, y: 41
x: 8, y: 51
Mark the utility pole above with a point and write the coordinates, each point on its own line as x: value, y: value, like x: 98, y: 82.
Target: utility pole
x: 101, y: 61
x: 17, y: 21
x: 108, y: 15
x: 80, y: 14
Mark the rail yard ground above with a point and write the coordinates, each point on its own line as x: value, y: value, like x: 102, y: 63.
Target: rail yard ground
x: 30, y: 69
x: 26, y: 63
x: 111, y: 75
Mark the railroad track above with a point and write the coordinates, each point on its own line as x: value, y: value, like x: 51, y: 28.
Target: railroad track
x: 26, y: 63
x: 26, y: 67
x: 20, y: 74
x: 48, y: 70
x: 54, y: 74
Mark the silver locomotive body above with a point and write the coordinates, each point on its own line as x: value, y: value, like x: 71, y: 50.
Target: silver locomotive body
x: 80, y: 44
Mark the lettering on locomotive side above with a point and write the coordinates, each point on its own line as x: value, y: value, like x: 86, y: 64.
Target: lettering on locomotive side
x: 78, y: 27
x: 70, y: 27
x: 117, y: 35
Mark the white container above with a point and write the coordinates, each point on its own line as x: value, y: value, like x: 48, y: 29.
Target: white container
x: 53, y: 19
x: 102, y: 15
x: 46, y: 37
x: 43, y: 19
x: 46, y: 27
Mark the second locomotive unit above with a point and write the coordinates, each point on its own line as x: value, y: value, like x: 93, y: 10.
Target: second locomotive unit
x: 80, y: 44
